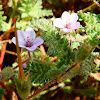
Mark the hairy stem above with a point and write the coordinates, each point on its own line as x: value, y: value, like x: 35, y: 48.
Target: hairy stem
x: 38, y: 61
x: 51, y: 82
x: 44, y: 62
x: 21, y: 72
x: 45, y: 86
x: 69, y: 69
x: 22, y: 63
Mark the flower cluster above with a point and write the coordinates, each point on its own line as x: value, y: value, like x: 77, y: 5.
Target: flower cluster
x: 27, y: 39
x: 67, y: 22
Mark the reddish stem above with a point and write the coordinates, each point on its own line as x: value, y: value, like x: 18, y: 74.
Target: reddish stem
x: 53, y: 81
x: 2, y: 55
x: 48, y: 84
x: 68, y: 70
x: 42, y: 51
x: 29, y: 54
x: 21, y: 72
x: 22, y: 63
x: 5, y: 36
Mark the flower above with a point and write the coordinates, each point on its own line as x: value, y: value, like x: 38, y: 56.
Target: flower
x: 67, y: 22
x: 27, y: 39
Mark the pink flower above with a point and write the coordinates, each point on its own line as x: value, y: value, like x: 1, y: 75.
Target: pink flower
x: 27, y: 39
x: 67, y: 22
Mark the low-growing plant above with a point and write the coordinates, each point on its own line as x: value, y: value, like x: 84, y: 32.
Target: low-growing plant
x: 50, y: 52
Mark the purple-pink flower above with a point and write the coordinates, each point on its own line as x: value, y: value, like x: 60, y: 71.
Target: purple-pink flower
x: 67, y: 22
x: 27, y: 39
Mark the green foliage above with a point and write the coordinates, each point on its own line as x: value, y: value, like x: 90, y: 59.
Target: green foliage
x: 31, y: 14
x: 38, y: 72
x: 6, y: 73
x: 45, y: 25
x: 1, y: 93
x: 31, y: 11
x: 2, y: 19
x: 58, y: 46
x: 71, y: 74
x: 92, y: 27
x: 91, y: 21
x: 86, y: 67
x: 83, y: 52
x: 53, y: 73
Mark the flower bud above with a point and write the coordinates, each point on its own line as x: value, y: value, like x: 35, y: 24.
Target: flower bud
x: 83, y: 52
x: 23, y: 87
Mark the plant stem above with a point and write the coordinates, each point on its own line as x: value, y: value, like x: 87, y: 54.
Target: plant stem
x: 45, y: 86
x: 29, y: 54
x: 10, y: 52
x: 69, y: 69
x: 22, y: 63
x: 38, y: 61
x: 2, y: 55
x: 21, y: 72
x: 88, y: 7
x: 42, y: 51
x: 51, y: 82
x: 44, y: 62
x: 2, y: 37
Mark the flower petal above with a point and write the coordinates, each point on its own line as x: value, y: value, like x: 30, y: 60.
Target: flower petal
x: 13, y: 40
x: 29, y: 34
x: 66, y: 30
x: 20, y: 42
x: 38, y: 41
x: 58, y: 23
x: 31, y: 48
x: 76, y: 25
x: 20, y: 34
x: 65, y: 16
x: 74, y: 17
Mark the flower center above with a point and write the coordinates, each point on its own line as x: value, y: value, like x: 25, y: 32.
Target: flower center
x: 68, y: 24
x: 29, y: 42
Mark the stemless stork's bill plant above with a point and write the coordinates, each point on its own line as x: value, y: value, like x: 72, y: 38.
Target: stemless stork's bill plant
x: 27, y: 39
x: 67, y: 22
